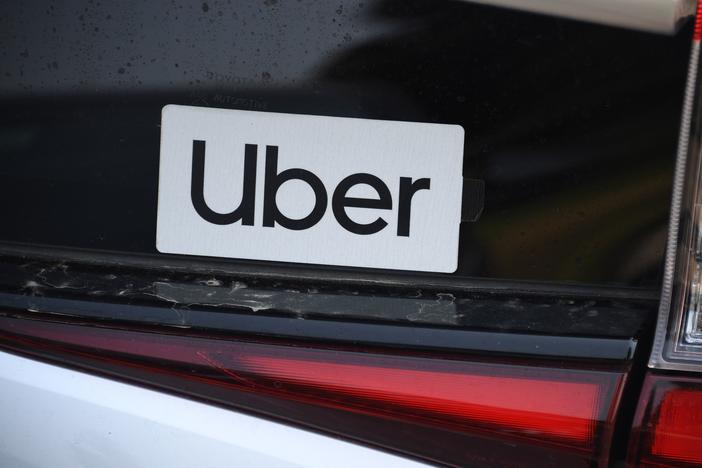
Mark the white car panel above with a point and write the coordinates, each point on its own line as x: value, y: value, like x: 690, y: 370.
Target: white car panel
x: 56, y: 417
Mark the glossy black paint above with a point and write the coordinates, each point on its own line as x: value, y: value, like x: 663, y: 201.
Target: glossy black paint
x: 417, y: 337
x: 571, y: 126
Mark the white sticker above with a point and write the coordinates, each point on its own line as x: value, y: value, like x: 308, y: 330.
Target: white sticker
x: 310, y: 189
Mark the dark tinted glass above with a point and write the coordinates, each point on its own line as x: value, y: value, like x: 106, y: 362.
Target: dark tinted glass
x: 571, y: 126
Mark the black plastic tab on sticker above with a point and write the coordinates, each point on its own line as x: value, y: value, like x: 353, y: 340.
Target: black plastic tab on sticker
x: 473, y: 200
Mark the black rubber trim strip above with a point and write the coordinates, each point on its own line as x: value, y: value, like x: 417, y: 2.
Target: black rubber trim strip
x: 328, y: 275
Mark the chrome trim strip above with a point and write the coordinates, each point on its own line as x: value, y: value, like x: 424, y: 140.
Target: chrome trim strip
x: 659, y: 16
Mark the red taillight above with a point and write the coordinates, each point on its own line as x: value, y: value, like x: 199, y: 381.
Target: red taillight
x: 678, y: 433
x: 524, y: 413
x: 457, y: 393
x: 668, y: 423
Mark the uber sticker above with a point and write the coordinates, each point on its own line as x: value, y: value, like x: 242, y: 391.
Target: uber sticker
x: 309, y: 189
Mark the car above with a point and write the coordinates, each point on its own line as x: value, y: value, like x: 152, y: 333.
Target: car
x: 378, y: 233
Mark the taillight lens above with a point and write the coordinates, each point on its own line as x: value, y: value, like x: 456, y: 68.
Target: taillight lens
x: 447, y: 409
x: 668, y: 423
x: 678, y: 339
